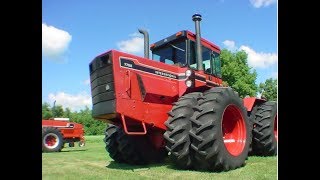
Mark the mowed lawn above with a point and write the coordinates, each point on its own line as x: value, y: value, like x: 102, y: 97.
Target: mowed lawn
x: 93, y: 162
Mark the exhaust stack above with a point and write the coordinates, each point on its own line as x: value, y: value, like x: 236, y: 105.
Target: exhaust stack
x: 197, y: 18
x: 146, y: 42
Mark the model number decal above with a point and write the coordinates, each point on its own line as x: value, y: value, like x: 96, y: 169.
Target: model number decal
x: 127, y: 63
x: 165, y: 74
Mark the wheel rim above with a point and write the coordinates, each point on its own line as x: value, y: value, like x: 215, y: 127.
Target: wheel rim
x: 81, y: 144
x: 234, y: 130
x: 51, y: 141
x: 275, y: 130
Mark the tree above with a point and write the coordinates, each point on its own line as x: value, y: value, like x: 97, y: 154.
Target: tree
x: 67, y: 113
x: 46, y: 111
x: 268, y: 89
x: 91, y: 126
x: 57, y: 111
x: 237, y: 73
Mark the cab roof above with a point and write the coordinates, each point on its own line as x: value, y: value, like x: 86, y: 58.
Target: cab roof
x: 187, y: 34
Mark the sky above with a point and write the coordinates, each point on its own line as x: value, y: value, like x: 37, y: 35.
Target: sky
x: 74, y: 32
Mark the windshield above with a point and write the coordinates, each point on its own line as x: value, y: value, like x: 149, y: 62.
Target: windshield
x: 171, y: 53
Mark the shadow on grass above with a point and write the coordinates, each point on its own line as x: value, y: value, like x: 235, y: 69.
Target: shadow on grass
x: 174, y: 167
x: 72, y: 150
x: 167, y: 164
x: 124, y: 166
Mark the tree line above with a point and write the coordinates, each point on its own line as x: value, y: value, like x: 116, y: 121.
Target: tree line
x: 236, y: 73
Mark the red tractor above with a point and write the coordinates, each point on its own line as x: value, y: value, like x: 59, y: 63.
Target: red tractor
x: 58, y: 131
x: 175, y: 104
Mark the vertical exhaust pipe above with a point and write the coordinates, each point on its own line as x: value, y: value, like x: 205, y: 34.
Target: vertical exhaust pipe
x: 146, y: 42
x: 54, y: 109
x: 197, y: 18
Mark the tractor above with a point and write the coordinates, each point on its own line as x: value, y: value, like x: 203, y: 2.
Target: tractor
x: 175, y: 104
x: 58, y: 131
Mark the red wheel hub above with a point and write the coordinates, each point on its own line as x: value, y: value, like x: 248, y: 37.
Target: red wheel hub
x: 275, y: 129
x: 51, y: 140
x: 234, y: 130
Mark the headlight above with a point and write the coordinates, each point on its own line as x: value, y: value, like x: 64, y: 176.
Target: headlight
x: 188, y: 72
x: 188, y: 83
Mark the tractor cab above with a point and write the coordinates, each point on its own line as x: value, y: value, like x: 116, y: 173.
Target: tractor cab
x: 180, y: 49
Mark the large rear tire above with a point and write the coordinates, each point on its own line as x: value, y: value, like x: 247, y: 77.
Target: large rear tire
x: 178, y: 126
x: 110, y: 139
x: 220, y: 135
x: 52, y: 139
x: 265, y: 131
x: 252, y: 116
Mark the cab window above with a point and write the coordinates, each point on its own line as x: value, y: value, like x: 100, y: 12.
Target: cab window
x: 171, y: 53
x: 211, y: 60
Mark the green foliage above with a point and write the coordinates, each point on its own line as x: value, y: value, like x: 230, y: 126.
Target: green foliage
x: 268, y: 89
x: 46, y: 111
x: 84, y: 117
x: 91, y: 126
x: 67, y: 113
x: 57, y: 111
x: 237, y: 74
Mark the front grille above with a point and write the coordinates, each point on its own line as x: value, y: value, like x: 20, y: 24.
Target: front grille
x: 102, y: 85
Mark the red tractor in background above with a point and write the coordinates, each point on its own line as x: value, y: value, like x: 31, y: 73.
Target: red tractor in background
x: 175, y: 104
x: 58, y: 131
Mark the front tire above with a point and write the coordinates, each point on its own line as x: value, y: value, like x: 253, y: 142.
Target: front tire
x: 220, y: 132
x: 52, y: 139
x: 178, y: 127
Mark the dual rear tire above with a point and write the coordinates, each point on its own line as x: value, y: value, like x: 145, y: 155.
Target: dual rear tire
x: 208, y: 131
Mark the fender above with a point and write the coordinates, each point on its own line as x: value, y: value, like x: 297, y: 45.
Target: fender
x: 250, y: 102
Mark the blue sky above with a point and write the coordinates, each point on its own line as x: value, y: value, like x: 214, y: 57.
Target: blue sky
x: 75, y: 31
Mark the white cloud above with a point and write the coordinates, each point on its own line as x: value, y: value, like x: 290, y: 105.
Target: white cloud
x: 86, y: 82
x: 259, y: 59
x: 132, y: 45
x: 74, y: 102
x: 255, y: 59
x: 55, y: 42
x: 230, y: 45
x: 262, y: 3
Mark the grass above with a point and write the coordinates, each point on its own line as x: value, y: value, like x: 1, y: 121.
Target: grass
x: 92, y: 162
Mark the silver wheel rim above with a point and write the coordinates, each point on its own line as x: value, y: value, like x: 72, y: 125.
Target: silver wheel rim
x: 49, y: 136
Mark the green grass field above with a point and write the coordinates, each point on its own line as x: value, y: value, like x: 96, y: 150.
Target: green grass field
x: 93, y: 162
